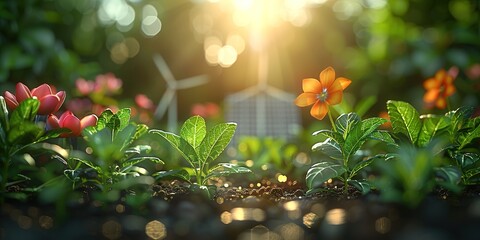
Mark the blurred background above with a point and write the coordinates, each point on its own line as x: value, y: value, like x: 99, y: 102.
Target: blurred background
x: 386, y: 47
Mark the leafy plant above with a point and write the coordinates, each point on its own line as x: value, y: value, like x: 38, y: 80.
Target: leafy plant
x: 410, y: 174
x: 342, y: 147
x: 112, y: 164
x: 19, y: 131
x: 457, y: 129
x: 200, y: 149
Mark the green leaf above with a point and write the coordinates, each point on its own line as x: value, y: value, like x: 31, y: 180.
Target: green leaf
x: 216, y: 141
x: 180, y: 174
x: 466, y: 138
x: 353, y: 141
x: 104, y: 119
x: 448, y: 174
x: 182, y: 146
x: 470, y: 174
x: 24, y: 133
x: 465, y: 160
x: 384, y: 136
x: 361, y: 165
x: 225, y: 169
x: 431, y: 125
x: 114, y: 123
x: 405, y: 119
x: 458, y: 118
x: 330, y: 148
x: 139, y: 149
x: 337, y: 137
x: 346, y: 122
x: 124, y: 117
x: 135, y: 160
x: 194, y: 131
x: 25, y: 112
x: 362, y: 186
x: 321, y: 172
x: 53, y: 133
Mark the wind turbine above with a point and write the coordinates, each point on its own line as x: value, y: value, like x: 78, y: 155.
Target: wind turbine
x: 168, y: 103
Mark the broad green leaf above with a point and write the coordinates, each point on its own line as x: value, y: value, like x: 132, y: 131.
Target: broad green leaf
x: 353, y: 141
x: 346, y: 122
x: 216, y: 141
x: 469, y: 176
x: 24, y: 133
x: 125, y: 137
x: 465, y: 160
x: 25, y: 112
x: 139, y: 149
x: 321, y: 172
x: 225, y: 169
x: 53, y: 133
x: 124, y: 117
x: 384, y: 136
x: 141, y: 129
x: 114, y: 123
x: 330, y: 148
x: 180, y: 174
x: 457, y: 118
x: 104, y: 119
x: 337, y: 137
x: 194, y: 131
x: 357, y: 136
x: 182, y: 146
x: 361, y: 165
x: 465, y: 139
x: 431, y: 125
x: 448, y: 174
x: 362, y: 186
x: 405, y: 119
x: 135, y: 160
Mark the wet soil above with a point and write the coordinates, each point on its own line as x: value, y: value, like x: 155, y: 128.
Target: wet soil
x: 251, y: 212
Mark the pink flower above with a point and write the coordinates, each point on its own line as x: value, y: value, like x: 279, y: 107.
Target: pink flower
x: 84, y: 87
x: 207, y: 110
x: 50, y: 99
x: 70, y: 121
x: 107, y: 83
x: 144, y: 102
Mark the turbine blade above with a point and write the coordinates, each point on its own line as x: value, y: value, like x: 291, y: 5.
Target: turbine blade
x: 191, y: 82
x: 164, y: 70
x: 164, y: 103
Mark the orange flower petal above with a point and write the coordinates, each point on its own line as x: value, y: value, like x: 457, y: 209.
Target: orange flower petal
x: 441, y: 74
x: 441, y: 103
x: 327, y: 77
x: 431, y: 83
x: 319, y: 110
x: 306, y: 99
x: 431, y: 95
x: 345, y: 82
x: 334, y: 97
x: 311, y: 85
x: 450, y: 90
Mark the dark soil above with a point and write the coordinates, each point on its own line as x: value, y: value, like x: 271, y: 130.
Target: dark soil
x: 264, y: 212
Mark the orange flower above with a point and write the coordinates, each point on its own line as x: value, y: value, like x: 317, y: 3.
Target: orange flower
x: 328, y: 91
x: 438, y: 89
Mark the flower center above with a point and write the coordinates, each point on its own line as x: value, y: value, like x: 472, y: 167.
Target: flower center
x: 323, y: 95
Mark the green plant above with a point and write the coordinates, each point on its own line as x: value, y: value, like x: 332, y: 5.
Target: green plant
x: 112, y: 163
x: 19, y: 132
x: 410, y: 174
x: 200, y: 149
x: 342, y: 147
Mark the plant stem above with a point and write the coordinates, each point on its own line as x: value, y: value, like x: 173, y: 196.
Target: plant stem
x: 331, y: 120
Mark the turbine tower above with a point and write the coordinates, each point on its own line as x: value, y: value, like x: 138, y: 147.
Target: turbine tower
x: 168, y: 103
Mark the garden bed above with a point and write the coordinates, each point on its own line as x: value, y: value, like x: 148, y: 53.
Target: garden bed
x: 272, y: 212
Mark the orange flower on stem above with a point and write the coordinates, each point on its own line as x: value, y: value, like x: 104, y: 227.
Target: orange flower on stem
x: 322, y: 94
x: 439, y: 88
